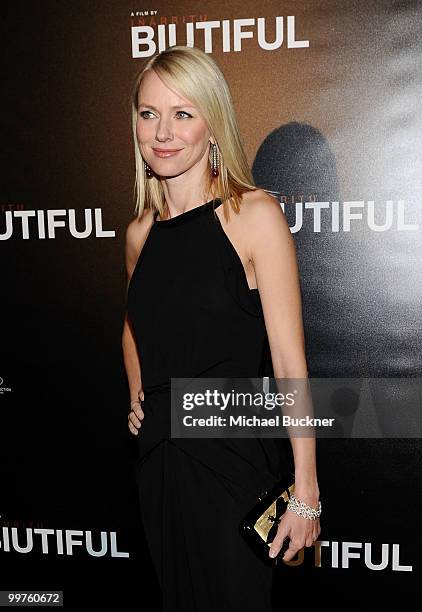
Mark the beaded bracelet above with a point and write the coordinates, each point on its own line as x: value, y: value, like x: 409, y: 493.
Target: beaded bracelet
x: 302, y: 509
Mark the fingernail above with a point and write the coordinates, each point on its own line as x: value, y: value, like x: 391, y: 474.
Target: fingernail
x: 272, y: 553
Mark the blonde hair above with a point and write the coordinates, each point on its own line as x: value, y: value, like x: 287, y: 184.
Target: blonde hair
x: 195, y: 75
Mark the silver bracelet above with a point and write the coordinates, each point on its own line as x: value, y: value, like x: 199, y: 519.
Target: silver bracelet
x: 302, y: 509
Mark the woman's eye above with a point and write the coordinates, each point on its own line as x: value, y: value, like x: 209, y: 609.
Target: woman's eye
x: 184, y: 113
x: 142, y: 113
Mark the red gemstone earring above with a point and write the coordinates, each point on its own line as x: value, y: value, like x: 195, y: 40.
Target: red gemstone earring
x: 148, y: 170
x: 215, y: 159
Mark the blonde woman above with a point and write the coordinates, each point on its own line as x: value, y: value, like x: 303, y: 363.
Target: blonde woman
x: 213, y: 291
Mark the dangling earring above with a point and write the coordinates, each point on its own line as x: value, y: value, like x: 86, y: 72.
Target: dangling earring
x: 148, y: 170
x: 214, y: 165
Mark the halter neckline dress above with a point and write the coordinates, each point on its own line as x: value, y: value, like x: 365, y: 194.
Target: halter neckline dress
x: 194, y: 315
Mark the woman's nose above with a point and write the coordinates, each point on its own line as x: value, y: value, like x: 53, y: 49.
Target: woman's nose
x: 163, y: 129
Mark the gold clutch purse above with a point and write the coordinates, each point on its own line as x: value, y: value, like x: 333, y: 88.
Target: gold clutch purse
x: 259, y: 526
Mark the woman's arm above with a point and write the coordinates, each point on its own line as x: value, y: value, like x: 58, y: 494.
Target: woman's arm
x: 131, y: 361
x: 273, y: 254
x: 136, y: 234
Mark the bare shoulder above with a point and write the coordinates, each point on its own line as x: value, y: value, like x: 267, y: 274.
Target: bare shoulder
x: 138, y: 228
x: 261, y: 209
x: 263, y: 218
x: 136, y: 234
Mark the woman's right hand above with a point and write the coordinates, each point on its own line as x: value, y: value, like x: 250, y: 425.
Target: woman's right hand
x: 135, y: 416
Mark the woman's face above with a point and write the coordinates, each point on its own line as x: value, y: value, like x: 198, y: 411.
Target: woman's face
x: 169, y: 122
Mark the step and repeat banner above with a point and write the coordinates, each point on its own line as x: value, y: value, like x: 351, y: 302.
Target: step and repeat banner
x: 328, y: 97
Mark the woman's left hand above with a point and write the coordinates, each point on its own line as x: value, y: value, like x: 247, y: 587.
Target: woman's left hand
x: 301, y: 531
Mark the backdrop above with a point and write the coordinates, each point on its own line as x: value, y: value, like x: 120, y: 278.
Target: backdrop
x: 328, y: 97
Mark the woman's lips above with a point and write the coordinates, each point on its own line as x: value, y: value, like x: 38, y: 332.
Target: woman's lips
x: 166, y: 152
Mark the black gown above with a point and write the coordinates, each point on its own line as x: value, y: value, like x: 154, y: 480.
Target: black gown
x: 193, y: 314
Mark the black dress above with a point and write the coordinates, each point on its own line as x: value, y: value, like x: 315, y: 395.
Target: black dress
x: 193, y: 314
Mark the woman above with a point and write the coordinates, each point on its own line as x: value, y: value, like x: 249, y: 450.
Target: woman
x: 213, y: 291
